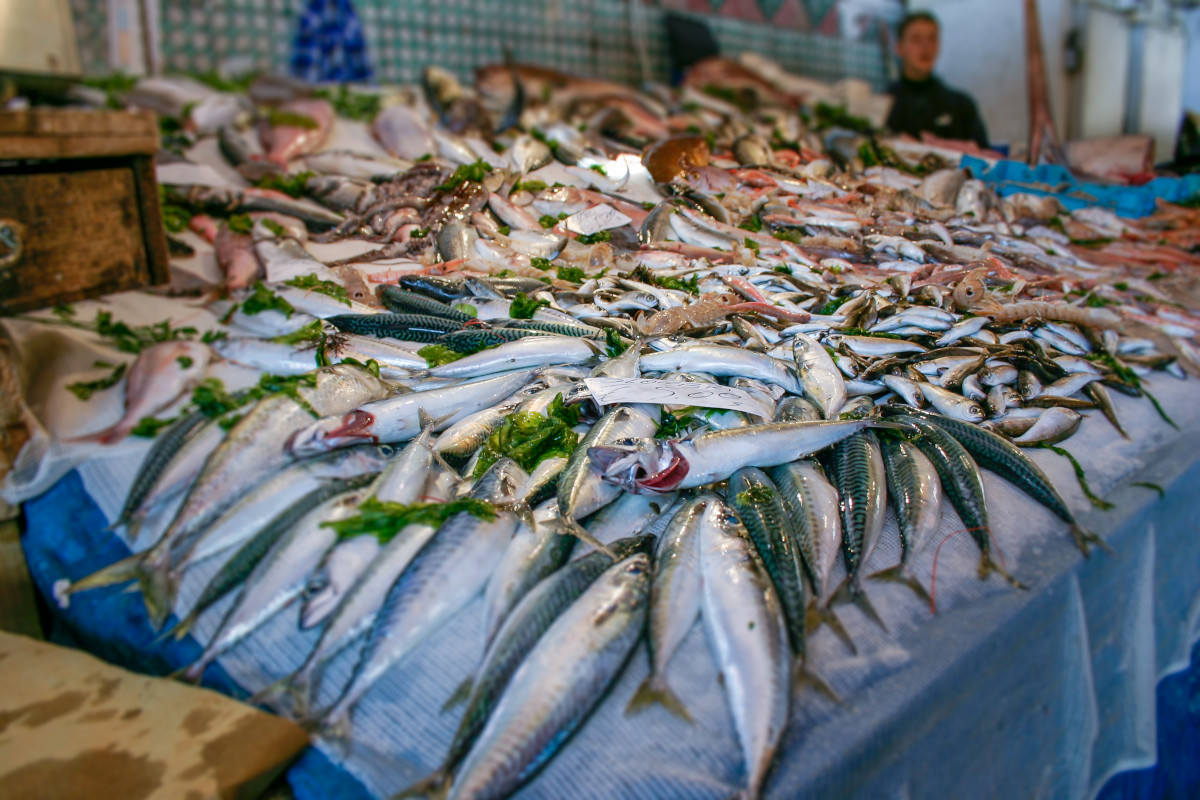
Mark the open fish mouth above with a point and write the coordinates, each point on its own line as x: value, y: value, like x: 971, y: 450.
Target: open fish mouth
x: 329, y: 434
x: 646, y: 467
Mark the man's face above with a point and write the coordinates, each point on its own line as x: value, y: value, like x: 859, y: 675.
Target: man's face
x: 918, y: 49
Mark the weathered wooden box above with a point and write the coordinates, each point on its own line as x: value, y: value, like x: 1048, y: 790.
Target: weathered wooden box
x: 79, y: 209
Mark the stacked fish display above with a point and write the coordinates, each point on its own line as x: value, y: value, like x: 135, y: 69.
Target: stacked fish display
x: 429, y: 430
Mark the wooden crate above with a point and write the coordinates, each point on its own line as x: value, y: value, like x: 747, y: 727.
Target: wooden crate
x: 79, y: 210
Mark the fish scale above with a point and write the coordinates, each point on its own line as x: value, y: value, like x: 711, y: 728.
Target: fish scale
x: 399, y: 301
x: 406, y: 327
x: 532, y: 617
x: 997, y: 454
x: 962, y: 483
x: 168, y: 443
x: 472, y: 339
x: 756, y: 501
x: 858, y: 470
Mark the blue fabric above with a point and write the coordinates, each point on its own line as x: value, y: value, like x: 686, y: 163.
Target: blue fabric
x: 329, y: 44
x: 1011, y: 177
x: 1177, y: 772
x: 65, y: 536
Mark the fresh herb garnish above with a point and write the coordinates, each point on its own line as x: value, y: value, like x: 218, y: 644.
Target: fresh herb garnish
x: 672, y: 426
x: 384, y: 519
x: 598, y: 168
x: 185, y: 361
x: 753, y: 223
x: 783, y: 269
x: 523, y: 306
x: 467, y: 172
x: 148, y: 427
x: 241, y: 223
x: 278, y: 117
x: 833, y: 305
x: 612, y: 343
x: 1098, y: 502
x: 529, y: 186
x: 572, y: 274
x: 359, y: 106
x: 752, y: 245
x: 541, y: 263
x: 85, y: 389
x: 592, y: 238
x: 274, y: 227
x: 438, y: 354
x: 530, y: 438
x: 263, y: 299
x: 310, y: 333
x: 314, y: 284
x: 292, y: 185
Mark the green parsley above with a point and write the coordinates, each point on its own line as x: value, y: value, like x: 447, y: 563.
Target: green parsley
x: 312, y: 332
x: 530, y: 438
x: 313, y: 284
x: 598, y: 236
x: 437, y: 354
x: 753, y: 223
x: 467, y: 172
x: 612, y: 343
x: 752, y: 245
x: 547, y: 221
x: 672, y: 426
x: 85, y: 389
x: 529, y: 186
x: 572, y: 274
x: 833, y: 305
x: 148, y: 427
x: 598, y: 168
x: 360, y: 106
x: 263, y: 299
x: 185, y: 361
x: 541, y: 263
x: 523, y: 306
x: 504, y: 230
x: 292, y: 185
x: 384, y: 519
x: 278, y: 118
x: 241, y: 223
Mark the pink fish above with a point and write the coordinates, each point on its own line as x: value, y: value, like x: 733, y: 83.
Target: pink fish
x: 235, y: 256
x: 159, y: 377
x: 284, y: 142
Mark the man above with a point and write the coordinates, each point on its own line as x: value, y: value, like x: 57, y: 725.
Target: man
x: 921, y: 102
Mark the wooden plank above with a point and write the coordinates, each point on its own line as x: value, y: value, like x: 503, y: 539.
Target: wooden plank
x: 18, y: 607
x: 82, y: 236
x: 69, y: 133
x: 154, y: 235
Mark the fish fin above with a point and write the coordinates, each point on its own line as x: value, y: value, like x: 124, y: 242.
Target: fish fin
x: 460, y: 694
x: 879, y: 424
x: 429, y: 422
x: 273, y: 693
x: 654, y: 690
x: 191, y: 673
x: 130, y: 568
x: 805, y: 677
x: 850, y: 592
x: 901, y: 574
x: 435, y: 786
x: 1084, y: 538
x: 579, y: 532
x: 158, y: 593
x: 184, y: 627
x: 818, y: 616
x: 987, y: 566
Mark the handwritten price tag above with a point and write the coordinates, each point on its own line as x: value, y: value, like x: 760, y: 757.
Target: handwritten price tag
x: 609, y: 391
x: 595, y: 219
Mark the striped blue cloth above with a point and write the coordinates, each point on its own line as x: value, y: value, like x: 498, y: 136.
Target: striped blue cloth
x: 329, y: 44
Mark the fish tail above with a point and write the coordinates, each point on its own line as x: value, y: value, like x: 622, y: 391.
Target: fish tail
x: 850, y: 592
x: 434, y: 786
x: 579, y: 532
x: 805, y: 677
x: 1085, y: 538
x: 130, y: 568
x: 273, y: 693
x: 460, y: 694
x: 333, y: 726
x: 817, y: 616
x: 184, y: 627
x: 987, y: 566
x: 901, y: 574
x: 158, y: 593
x: 655, y: 690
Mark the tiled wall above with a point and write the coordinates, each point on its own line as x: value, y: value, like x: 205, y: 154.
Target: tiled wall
x: 587, y: 37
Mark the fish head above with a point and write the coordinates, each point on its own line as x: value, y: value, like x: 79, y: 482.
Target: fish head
x: 330, y: 433
x: 641, y: 466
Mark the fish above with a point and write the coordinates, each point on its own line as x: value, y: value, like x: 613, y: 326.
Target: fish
x: 915, y: 494
x: 160, y: 375
x: 562, y: 679
x: 451, y: 568
x: 652, y: 465
x: 299, y: 128
x: 674, y: 600
x: 859, y: 475
x: 251, y: 451
x: 533, y: 615
x: 819, y: 378
x: 747, y: 634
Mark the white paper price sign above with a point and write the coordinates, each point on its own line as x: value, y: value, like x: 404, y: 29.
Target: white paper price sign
x: 595, y: 219
x: 608, y: 391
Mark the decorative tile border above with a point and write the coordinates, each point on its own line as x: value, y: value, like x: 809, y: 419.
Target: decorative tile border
x: 584, y: 37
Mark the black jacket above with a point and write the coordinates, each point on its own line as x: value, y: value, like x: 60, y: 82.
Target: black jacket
x: 932, y: 106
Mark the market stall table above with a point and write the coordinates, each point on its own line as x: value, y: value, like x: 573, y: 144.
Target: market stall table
x: 1046, y: 692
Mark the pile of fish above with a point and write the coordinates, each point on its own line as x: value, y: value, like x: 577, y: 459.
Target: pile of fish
x: 431, y: 431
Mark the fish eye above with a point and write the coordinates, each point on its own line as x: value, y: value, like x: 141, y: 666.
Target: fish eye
x: 386, y: 450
